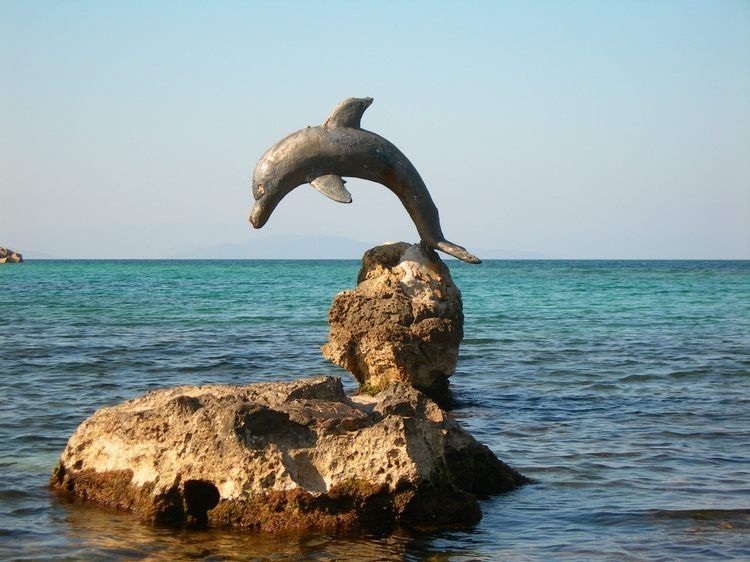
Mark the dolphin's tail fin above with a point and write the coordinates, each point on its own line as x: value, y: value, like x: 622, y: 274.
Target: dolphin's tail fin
x: 456, y: 251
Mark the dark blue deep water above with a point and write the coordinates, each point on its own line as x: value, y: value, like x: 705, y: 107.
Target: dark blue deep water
x: 622, y: 388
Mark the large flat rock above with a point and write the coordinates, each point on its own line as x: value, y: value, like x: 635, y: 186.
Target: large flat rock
x: 286, y: 455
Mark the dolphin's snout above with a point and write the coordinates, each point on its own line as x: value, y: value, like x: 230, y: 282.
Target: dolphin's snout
x: 255, y: 218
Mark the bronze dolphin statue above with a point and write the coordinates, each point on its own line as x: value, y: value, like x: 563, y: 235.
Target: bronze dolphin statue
x: 321, y: 155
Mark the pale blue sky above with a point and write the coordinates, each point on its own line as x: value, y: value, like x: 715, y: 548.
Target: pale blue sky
x: 565, y: 129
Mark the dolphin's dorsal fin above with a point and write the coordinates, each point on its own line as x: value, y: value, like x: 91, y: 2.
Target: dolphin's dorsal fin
x: 332, y: 187
x: 348, y: 113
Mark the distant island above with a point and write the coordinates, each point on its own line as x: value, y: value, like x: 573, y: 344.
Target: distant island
x: 9, y: 256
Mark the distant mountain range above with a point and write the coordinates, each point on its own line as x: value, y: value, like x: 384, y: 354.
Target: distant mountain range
x: 316, y: 247
x: 34, y: 255
x: 287, y: 247
x: 279, y: 247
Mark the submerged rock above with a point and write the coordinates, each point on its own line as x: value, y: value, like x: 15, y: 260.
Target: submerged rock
x: 403, y: 323
x: 9, y: 256
x: 286, y: 455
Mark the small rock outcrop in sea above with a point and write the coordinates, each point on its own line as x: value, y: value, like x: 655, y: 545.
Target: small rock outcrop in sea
x: 9, y: 256
x: 403, y: 323
x: 279, y: 456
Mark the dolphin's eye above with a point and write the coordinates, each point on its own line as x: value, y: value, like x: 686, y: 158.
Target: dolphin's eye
x: 261, y: 190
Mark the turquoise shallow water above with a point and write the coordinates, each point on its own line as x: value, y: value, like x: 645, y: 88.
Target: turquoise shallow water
x: 622, y: 388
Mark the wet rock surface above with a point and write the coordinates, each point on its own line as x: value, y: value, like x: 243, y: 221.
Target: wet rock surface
x: 9, y: 256
x: 278, y: 456
x: 403, y: 323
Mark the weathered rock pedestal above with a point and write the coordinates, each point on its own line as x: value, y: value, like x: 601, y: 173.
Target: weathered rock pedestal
x: 302, y: 454
x: 403, y: 323
x: 9, y: 256
x: 279, y: 456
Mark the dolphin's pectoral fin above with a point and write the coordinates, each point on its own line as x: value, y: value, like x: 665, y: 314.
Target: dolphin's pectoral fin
x: 456, y: 251
x: 332, y: 187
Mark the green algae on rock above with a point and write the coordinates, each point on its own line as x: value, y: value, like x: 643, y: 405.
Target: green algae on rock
x: 282, y: 456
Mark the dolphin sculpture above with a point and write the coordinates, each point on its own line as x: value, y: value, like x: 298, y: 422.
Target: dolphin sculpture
x: 321, y: 155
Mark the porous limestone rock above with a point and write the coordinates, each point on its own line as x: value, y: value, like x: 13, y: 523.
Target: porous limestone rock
x: 279, y: 456
x: 403, y: 323
x: 9, y: 256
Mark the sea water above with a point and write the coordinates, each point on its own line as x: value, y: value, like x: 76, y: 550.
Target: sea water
x: 621, y: 387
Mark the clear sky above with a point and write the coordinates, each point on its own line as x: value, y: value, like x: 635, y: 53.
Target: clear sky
x: 576, y: 129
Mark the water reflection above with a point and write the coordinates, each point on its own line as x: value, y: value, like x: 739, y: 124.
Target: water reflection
x: 91, y: 531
